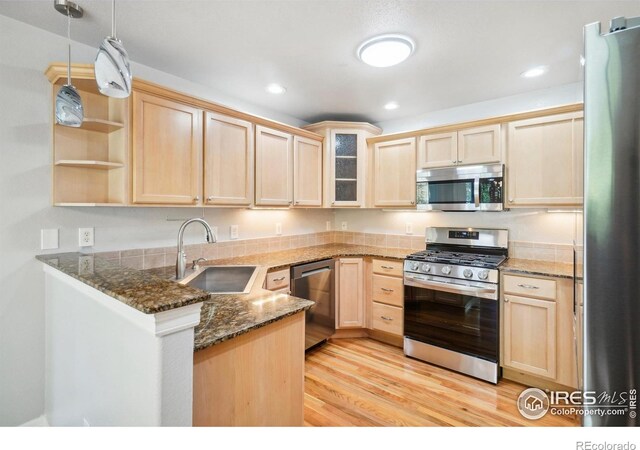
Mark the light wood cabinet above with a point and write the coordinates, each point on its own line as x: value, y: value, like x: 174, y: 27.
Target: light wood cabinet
x: 90, y: 163
x: 350, y: 293
x: 530, y: 335
x: 274, y: 167
x: 478, y: 145
x: 538, y: 329
x: 386, y: 300
x: 544, y: 161
x: 394, y: 174
x: 256, y: 379
x: 166, y: 152
x: 307, y: 172
x: 438, y: 150
x: 228, y: 160
x: 346, y: 161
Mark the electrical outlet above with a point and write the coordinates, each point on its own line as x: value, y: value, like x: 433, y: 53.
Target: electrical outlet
x: 278, y: 229
x: 233, y: 232
x: 49, y: 239
x: 327, y: 225
x: 85, y: 237
x: 344, y: 226
x: 408, y: 228
x: 85, y: 265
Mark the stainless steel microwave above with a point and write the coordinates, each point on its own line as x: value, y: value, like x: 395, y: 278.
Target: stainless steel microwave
x: 463, y: 188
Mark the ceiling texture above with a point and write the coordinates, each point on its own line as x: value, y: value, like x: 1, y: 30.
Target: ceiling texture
x: 466, y: 51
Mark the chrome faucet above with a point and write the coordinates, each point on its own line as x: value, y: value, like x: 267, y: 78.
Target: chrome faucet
x: 181, y: 262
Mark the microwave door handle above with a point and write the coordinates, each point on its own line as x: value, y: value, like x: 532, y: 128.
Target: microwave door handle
x: 476, y: 192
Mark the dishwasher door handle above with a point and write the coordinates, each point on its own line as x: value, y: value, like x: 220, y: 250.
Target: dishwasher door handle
x: 315, y: 271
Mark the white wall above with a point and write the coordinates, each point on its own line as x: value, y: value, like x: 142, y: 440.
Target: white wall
x: 531, y: 225
x: 25, y: 179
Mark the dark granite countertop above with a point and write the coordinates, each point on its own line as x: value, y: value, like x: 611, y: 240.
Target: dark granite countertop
x: 225, y: 316
x: 534, y: 267
x: 138, y: 289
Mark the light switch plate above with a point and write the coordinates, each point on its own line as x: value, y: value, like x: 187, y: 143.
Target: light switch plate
x: 344, y: 226
x: 408, y: 228
x: 233, y: 232
x: 49, y: 239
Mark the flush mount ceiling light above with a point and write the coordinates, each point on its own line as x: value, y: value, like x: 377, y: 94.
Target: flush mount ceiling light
x: 534, y: 72
x: 386, y: 50
x: 275, y: 88
x: 391, y: 106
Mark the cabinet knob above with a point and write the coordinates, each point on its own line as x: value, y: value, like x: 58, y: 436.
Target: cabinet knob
x: 386, y: 318
x: 510, y: 200
x: 196, y: 198
x: 210, y: 199
x: 459, y: 160
x: 454, y: 161
x: 412, y: 202
x: 506, y: 300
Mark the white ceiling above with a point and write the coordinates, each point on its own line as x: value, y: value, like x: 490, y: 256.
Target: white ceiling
x: 467, y: 51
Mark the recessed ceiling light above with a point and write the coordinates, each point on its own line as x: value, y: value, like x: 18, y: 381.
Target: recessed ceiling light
x: 386, y: 50
x: 534, y: 72
x: 391, y: 105
x: 275, y: 88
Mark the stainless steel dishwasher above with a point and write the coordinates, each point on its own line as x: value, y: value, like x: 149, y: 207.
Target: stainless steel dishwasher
x: 315, y: 281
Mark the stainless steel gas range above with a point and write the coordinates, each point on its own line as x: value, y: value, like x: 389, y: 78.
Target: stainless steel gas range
x: 451, y: 307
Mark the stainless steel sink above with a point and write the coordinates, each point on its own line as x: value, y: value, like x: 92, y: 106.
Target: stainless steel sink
x: 223, y: 279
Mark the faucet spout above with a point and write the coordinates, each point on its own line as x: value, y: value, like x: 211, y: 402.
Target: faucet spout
x: 181, y: 261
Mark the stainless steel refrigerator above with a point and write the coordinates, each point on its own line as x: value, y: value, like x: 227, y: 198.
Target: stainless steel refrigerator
x: 611, y: 217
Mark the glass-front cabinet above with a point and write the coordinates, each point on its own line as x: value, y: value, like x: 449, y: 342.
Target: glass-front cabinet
x: 345, y: 161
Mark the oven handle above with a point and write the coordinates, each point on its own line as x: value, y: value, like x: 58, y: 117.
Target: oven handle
x: 411, y: 280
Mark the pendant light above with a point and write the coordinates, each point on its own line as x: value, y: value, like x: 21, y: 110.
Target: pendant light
x: 69, y: 110
x: 113, y: 74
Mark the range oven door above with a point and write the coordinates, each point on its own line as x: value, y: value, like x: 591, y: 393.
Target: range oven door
x: 460, y: 318
x: 474, y: 188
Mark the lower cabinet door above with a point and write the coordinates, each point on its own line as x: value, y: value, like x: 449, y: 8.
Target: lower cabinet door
x: 350, y: 293
x: 530, y: 335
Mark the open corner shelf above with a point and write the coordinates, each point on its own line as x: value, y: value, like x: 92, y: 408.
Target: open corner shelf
x: 88, y: 164
x: 99, y: 125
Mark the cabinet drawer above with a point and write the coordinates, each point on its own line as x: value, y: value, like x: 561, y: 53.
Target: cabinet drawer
x: 530, y: 287
x: 388, y: 290
x: 387, y: 318
x: 278, y: 280
x: 386, y: 267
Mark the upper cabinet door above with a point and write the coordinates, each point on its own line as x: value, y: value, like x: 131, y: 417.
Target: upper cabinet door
x: 167, y: 151
x: 438, y: 150
x: 395, y: 173
x: 544, y: 161
x: 228, y: 160
x: 274, y: 167
x: 347, y: 164
x: 307, y: 172
x: 480, y: 145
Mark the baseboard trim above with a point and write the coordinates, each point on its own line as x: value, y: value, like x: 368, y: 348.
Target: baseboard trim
x: 40, y: 421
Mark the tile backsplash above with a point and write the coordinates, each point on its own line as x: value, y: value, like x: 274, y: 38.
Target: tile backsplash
x: 149, y: 258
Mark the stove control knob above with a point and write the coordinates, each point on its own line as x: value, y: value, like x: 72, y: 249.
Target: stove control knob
x: 414, y: 266
x: 468, y: 273
x: 446, y: 270
x: 425, y: 268
x: 483, y: 274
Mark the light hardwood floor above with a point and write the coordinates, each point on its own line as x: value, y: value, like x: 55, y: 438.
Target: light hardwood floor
x: 362, y: 382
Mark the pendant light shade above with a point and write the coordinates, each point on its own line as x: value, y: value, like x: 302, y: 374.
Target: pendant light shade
x: 69, y: 109
x: 112, y: 69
